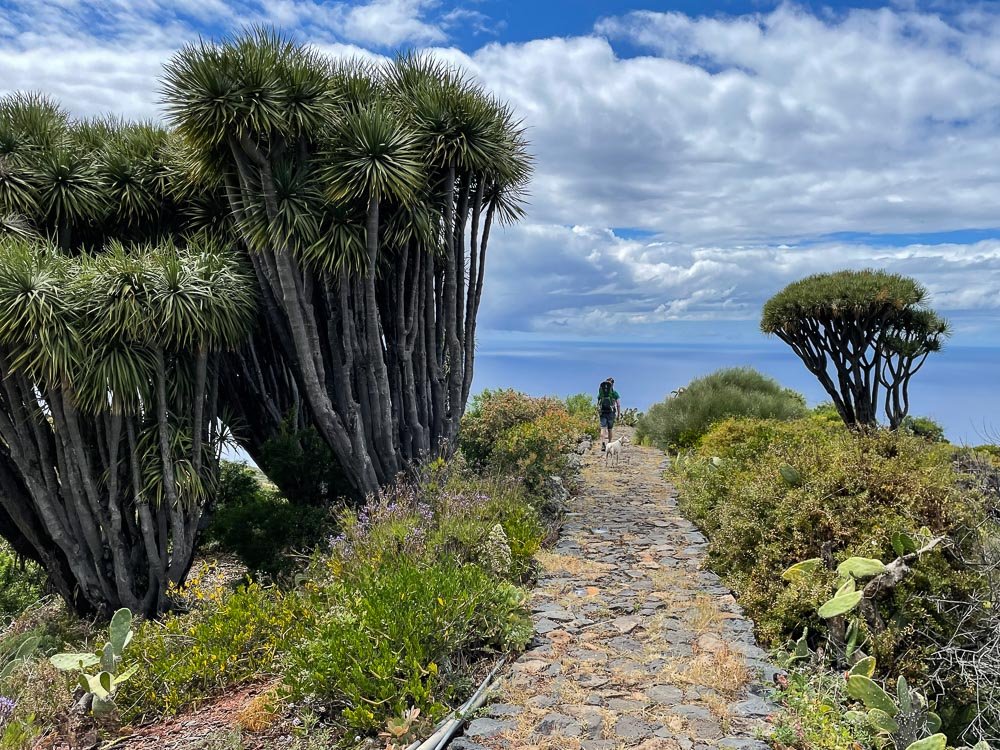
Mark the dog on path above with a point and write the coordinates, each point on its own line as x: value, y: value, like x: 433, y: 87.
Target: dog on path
x: 615, y: 448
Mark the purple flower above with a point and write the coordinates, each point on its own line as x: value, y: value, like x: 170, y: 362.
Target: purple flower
x: 7, y: 707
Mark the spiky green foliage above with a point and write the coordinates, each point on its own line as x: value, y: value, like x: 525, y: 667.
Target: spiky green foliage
x: 860, y: 333
x: 361, y: 200
x: 108, y: 416
x: 365, y: 195
x: 84, y: 182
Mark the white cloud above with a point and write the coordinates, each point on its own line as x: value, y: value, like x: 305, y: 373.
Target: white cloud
x: 760, y: 127
x: 391, y: 22
x: 578, y: 280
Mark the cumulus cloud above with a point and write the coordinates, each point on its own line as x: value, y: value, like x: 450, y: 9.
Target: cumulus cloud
x: 738, y: 144
x: 774, y: 126
x: 578, y: 280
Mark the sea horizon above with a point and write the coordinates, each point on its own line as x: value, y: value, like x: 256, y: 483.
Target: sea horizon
x: 646, y: 372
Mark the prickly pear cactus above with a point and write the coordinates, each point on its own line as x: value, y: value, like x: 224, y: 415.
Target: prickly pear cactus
x: 904, y: 720
x: 791, y: 476
x: 99, y: 688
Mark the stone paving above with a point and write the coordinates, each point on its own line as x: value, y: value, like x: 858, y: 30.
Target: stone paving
x: 636, y: 646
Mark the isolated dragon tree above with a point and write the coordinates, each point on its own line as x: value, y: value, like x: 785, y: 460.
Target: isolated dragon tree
x: 364, y: 196
x: 863, y: 334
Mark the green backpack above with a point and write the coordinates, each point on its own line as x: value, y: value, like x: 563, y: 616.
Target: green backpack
x: 604, y: 400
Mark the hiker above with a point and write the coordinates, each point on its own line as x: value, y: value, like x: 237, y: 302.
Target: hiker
x: 609, y: 405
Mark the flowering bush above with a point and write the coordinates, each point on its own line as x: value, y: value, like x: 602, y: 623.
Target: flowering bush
x: 492, y: 414
x: 435, y: 520
x: 512, y: 433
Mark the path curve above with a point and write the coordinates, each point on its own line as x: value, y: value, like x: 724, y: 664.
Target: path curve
x: 636, y: 645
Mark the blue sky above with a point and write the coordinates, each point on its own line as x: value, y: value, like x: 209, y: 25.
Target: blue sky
x: 692, y: 157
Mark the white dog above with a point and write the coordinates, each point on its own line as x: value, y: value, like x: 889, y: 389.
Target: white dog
x: 615, y: 448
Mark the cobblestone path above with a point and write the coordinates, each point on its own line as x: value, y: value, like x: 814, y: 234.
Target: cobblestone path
x: 636, y: 646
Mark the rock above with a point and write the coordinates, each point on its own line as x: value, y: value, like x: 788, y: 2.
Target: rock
x: 593, y: 681
x: 531, y: 666
x: 560, y: 615
x: 589, y: 656
x: 623, y: 705
x: 739, y: 743
x: 690, y: 711
x: 626, y: 624
x: 541, y: 701
x: 499, y: 710
x: 625, y: 644
x: 462, y: 743
x: 753, y: 707
x: 659, y: 743
x: 573, y: 462
x: 544, y: 626
x: 632, y: 728
x: 486, y: 727
x: 559, y: 724
x: 711, y: 643
x: 556, y: 490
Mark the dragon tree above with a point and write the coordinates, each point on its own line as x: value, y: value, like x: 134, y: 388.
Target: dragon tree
x: 863, y: 334
x: 364, y: 197
x: 118, y: 302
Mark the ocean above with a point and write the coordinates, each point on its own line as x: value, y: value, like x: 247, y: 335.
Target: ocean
x: 956, y: 387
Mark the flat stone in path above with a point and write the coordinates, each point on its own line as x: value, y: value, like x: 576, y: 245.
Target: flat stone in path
x: 636, y: 646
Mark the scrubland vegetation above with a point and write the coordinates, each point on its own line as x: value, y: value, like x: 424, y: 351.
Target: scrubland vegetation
x: 791, y: 487
x: 349, y: 617
x: 679, y: 421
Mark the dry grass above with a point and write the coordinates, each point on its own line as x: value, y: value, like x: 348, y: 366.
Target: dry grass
x: 724, y: 670
x: 705, y: 615
x: 261, y: 713
x: 552, y: 562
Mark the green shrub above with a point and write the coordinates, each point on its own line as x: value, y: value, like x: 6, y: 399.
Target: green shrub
x: 239, y: 484
x: 302, y: 465
x: 854, y: 492
x: 492, y: 413
x: 465, y: 515
x: 392, y: 632
x: 228, y: 638
x: 452, y: 518
x: 826, y: 413
x: 581, y: 405
x: 510, y: 433
x: 536, y: 449
x: 21, y: 583
x: 923, y: 427
x: 259, y: 525
x: 813, y: 715
x: 680, y: 421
